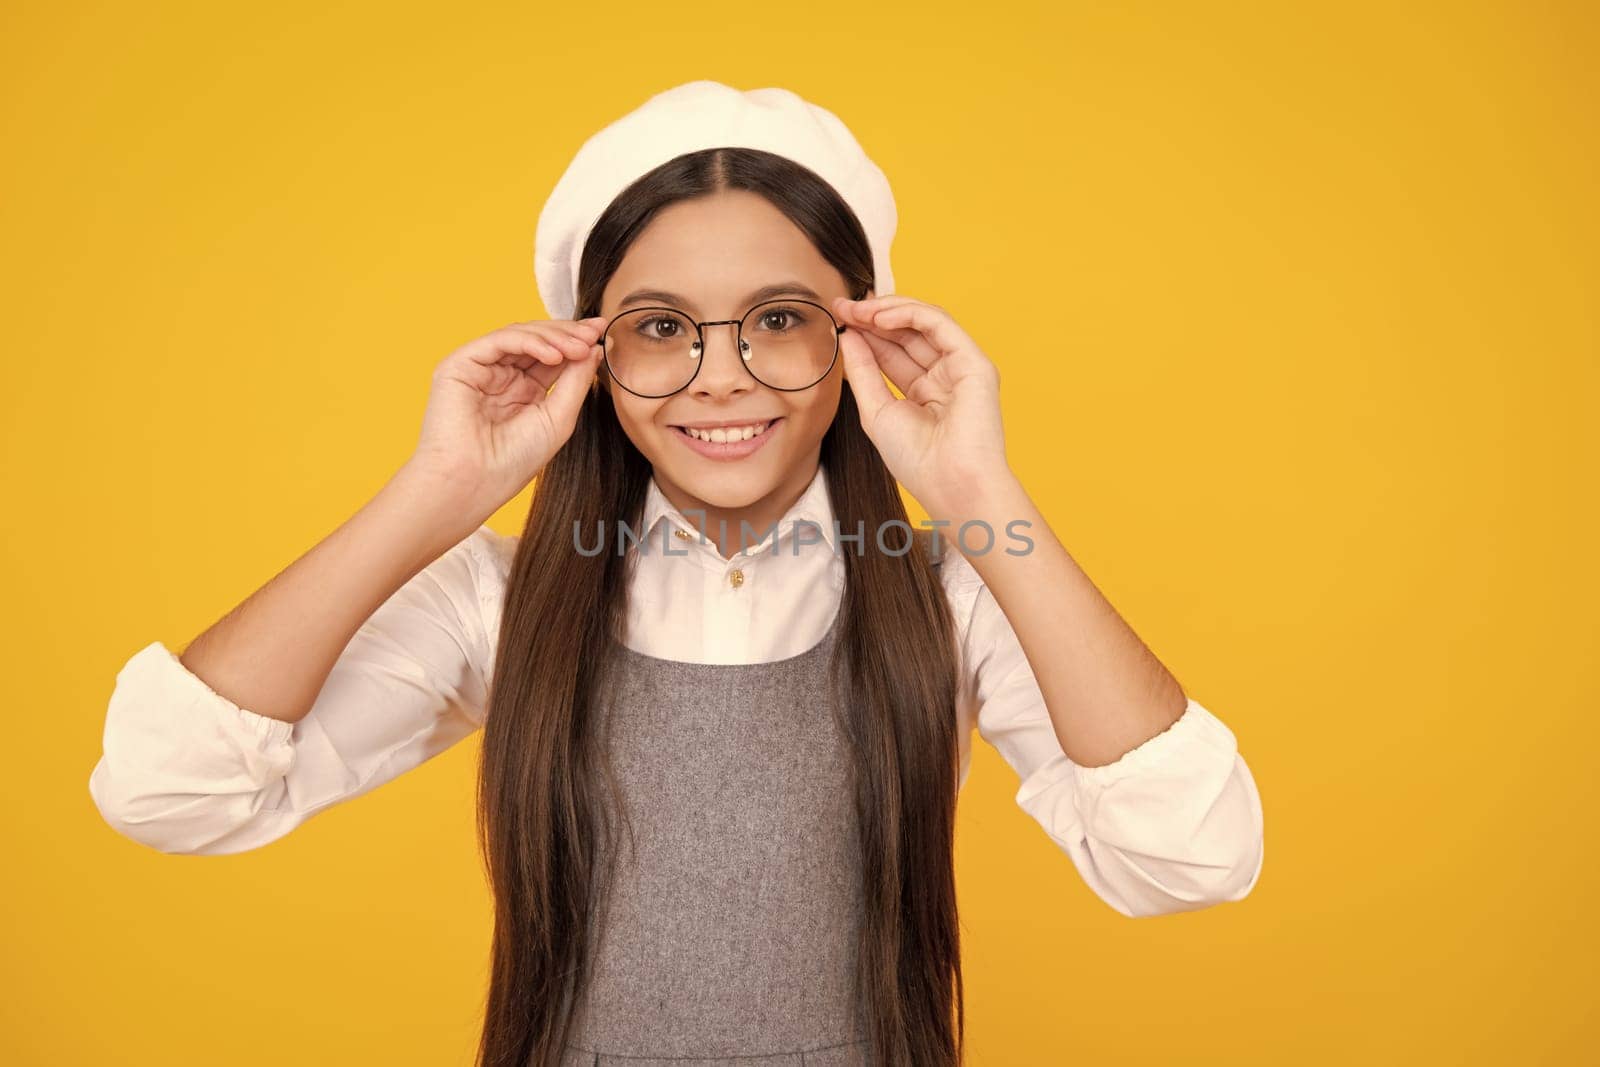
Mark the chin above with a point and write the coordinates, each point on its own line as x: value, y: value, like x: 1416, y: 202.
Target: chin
x: 727, y: 485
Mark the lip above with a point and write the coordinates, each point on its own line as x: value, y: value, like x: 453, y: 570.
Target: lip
x: 712, y: 424
x: 727, y: 450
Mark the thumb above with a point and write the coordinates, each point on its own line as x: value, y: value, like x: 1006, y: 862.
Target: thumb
x: 866, y: 380
x: 566, y: 397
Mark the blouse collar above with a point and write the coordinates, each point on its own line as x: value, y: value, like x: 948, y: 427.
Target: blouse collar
x: 813, y: 506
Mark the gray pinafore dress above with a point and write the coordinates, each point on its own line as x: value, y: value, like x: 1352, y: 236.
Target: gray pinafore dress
x: 729, y: 936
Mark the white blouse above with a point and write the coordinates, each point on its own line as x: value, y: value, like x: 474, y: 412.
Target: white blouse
x: 1173, y: 825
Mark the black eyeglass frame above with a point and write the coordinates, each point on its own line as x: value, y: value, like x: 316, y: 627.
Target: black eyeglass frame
x: 740, y: 342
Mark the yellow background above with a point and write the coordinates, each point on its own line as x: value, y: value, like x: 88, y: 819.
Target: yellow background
x: 1294, y: 310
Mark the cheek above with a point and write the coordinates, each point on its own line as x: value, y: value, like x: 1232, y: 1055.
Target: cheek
x: 819, y: 406
x: 637, y: 419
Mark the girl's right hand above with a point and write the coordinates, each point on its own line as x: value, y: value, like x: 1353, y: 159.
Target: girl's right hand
x: 502, y: 405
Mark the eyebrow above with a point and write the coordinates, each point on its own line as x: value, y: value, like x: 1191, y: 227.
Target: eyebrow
x: 766, y: 292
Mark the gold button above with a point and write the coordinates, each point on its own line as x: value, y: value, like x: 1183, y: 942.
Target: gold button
x: 683, y: 535
x: 736, y: 577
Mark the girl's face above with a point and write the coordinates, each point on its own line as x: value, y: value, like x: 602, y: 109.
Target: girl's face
x: 706, y: 257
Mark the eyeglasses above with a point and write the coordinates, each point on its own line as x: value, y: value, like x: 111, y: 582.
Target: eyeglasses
x: 787, y: 345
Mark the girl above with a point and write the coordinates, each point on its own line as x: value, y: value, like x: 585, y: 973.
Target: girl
x: 726, y: 693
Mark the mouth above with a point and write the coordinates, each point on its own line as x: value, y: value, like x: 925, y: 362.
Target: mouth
x: 732, y: 441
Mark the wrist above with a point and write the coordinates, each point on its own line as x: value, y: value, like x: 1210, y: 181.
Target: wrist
x: 444, y: 504
x: 974, y: 492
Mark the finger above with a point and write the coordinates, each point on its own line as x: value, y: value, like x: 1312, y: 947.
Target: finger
x: 900, y: 368
x: 567, y: 395
x: 573, y: 339
x: 893, y: 356
x: 872, y: 304
x: 570, y: 336
x: 537, y: 380
x: 511, y: 345
x: 594, y: 323
x: 937, y: 326
x: 527, y: 380
x: 876, y: 303
x: 914, y: 344
x: 588, y: 329
x: 559, y: 408
x: 866, y: 380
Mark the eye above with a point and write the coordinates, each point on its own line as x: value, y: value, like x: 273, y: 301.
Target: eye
x: 778, y: 320
x: 648, y: 327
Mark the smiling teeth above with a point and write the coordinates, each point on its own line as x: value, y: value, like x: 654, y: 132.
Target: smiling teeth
x: 724, y: 434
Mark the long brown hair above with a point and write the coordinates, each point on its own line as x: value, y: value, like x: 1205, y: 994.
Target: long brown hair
x: 538, y: 820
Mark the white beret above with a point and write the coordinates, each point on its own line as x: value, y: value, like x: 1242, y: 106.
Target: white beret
x: 686, y: 118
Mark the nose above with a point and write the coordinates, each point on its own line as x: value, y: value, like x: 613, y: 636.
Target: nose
x: 722, y: 369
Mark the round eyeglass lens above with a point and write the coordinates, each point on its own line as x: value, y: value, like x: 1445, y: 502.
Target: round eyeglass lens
x: 651, y: 351
x: 788, y: 344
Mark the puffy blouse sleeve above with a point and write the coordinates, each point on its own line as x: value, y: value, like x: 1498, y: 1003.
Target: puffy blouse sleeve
x: 1174, y: 825
x: 186, y: 770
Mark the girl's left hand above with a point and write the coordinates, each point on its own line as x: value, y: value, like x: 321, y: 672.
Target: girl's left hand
x: 943, y: 440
